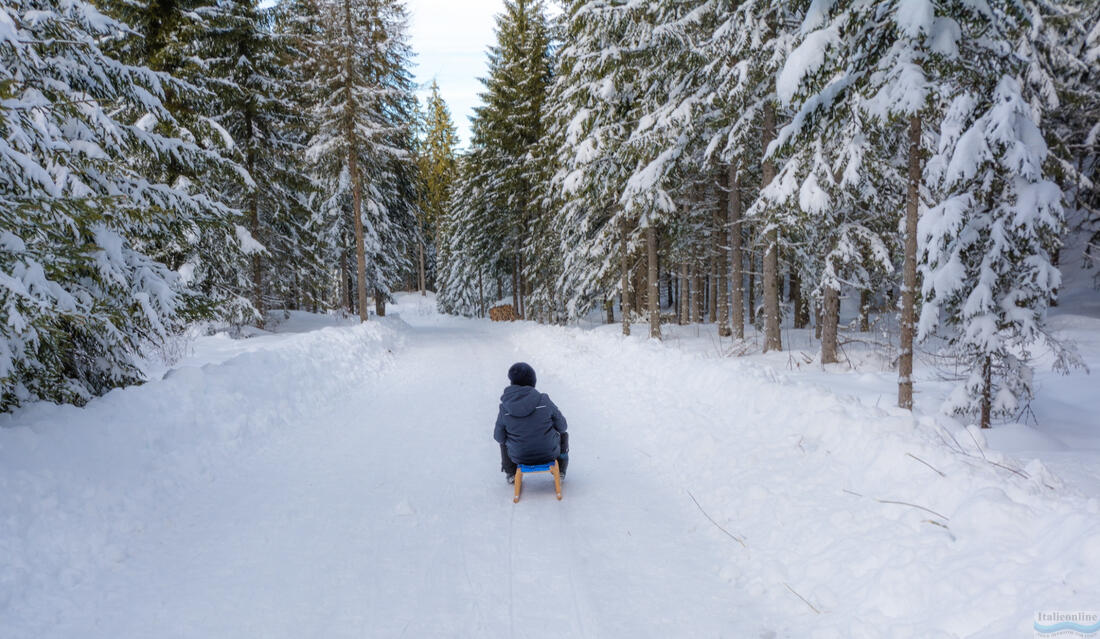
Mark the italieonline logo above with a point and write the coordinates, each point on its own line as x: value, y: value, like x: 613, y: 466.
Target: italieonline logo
x: 1067, y: 624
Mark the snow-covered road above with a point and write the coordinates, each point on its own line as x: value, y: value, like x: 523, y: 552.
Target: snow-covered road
x: 383, y: 514
x: 343, y: 483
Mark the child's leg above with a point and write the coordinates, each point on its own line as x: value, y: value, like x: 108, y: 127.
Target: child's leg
x: 506, y: 463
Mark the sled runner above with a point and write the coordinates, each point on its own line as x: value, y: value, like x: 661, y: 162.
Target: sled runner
x: 551, y: 468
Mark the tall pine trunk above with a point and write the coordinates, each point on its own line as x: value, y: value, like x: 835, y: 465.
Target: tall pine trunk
x: 712, y: 284
x: 720, y: 223
x: 864, y: 310
x: 653, y: 299
x: 737, y: 272
x: 423, y: 283
x: 751, y: 256
x: 522, y: 311
x: 987, y: 391
x: 798, y: 315
x: 480, y: 293
x: 624, y: 232
x: 360, y: 251
x: 830, y: 318
x: 684, y: 312
x: 772, y: 340
x: 353, y: 169
x: 345, y: 280
x: 515, y: 284
x: 698, y: 293
x: 909, y: 270
x: 257, y: 261
x: 254, y: 219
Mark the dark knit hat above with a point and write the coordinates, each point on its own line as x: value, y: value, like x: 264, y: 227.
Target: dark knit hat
x: 521, y: 374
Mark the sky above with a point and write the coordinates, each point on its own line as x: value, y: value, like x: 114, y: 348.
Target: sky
x: 450, y: 39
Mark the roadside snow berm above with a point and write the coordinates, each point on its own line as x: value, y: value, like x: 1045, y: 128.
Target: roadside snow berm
x: 551, y: 468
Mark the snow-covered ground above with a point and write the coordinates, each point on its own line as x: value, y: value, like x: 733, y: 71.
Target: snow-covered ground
x: 338, y: 480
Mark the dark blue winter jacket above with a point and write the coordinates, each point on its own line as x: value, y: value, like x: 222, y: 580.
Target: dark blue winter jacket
x: 530, y: 425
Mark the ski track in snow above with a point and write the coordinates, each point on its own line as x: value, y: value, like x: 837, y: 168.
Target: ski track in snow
x: 356, y: 493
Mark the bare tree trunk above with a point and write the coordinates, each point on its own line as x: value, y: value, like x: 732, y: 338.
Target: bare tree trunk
x: 799, y: 316
x: 254, y: 218
x: 909, y: 270
x: 723, y: 269
x: 480, y: 293
x: 864, y: 310
x: 817, y: 320
x: 356, y: 179
x: 609, y: 305
x: 1056, y: 261
x: 830, y: 317
x: 685, y: 288
x: 751, y: 255
x: 625, y: 239
x: 521, y: 310
x: 654, y: 297
x: 987, y: 391
x: 423, y: 281
x: 379, y: 303
x: 671, y: 276
x: 360, y: 251
x: 712, y: 264
x: 697, y: 292
x: 772, y: 338
x: 345, y: 280
x: 515, y: 284
x: 712, y: 283
x: 737, y: 323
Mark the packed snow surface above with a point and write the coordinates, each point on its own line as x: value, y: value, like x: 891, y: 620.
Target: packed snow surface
x: 338, y: 480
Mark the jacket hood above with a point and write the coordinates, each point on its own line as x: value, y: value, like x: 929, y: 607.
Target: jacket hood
x: 520, y: 401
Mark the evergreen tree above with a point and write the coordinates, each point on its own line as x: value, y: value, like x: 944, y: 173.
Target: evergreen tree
x: 252, y: 82
x: 80, y: 292
x: 438, y: 170
x: 506, y: 130
x: 363, y: 140
x: 588, y: 121
x: 463, y: 245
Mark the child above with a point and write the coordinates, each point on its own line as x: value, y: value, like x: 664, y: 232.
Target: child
x: 529, y: 428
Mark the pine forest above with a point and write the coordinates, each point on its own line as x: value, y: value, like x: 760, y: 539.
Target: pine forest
x: 747, y: 164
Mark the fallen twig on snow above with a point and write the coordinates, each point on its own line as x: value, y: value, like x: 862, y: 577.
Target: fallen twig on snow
x: 719, y: 526
x: 899, y: 503
x: 801, y: 597
x: 905, y: 503
x: 944, y: 526
x: 1010, y: 469
x: 926, y: 464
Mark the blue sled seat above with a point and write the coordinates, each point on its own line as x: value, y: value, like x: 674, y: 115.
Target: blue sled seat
x: 549, y: 467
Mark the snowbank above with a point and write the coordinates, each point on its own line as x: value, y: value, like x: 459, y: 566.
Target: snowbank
x: 886, y: 523
x: 77, y: 484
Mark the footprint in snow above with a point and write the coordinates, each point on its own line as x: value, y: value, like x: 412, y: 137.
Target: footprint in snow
x: 404, y: 508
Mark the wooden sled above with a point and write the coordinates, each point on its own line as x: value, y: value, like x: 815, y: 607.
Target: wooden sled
x: 551, y: 468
